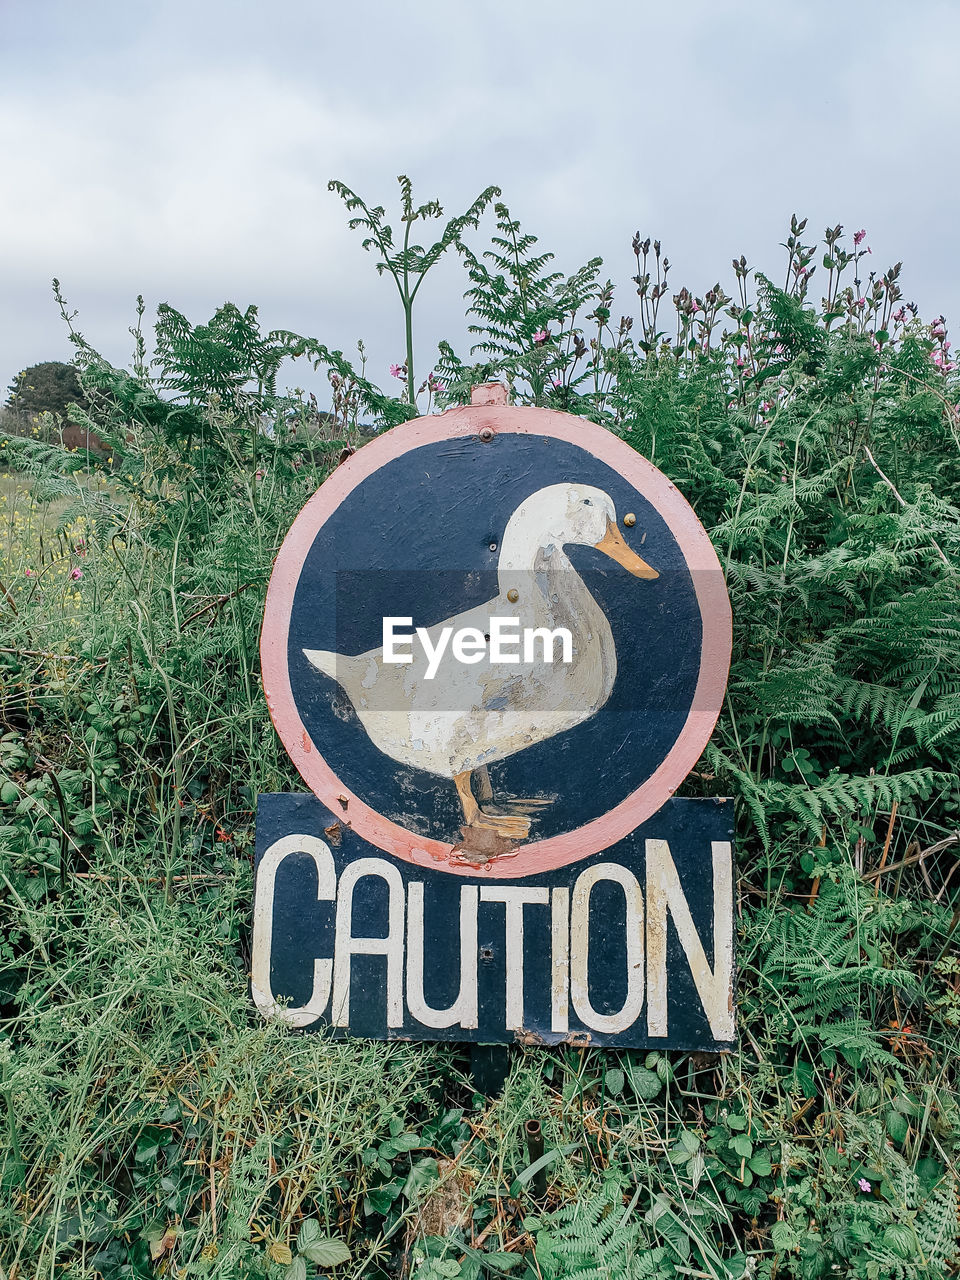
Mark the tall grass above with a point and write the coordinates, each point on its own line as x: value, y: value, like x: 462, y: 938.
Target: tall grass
x: 154, y: 1124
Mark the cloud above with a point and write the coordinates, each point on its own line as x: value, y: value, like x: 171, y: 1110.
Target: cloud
x: 188, y: 179
x: 183, y: 150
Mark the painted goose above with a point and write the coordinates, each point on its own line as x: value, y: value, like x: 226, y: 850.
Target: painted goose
x: 472, y: 713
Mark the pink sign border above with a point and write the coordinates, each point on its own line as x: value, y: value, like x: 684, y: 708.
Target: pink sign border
x: 601, y: 832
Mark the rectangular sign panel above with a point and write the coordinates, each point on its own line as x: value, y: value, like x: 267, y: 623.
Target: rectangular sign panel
x: 631, y: 947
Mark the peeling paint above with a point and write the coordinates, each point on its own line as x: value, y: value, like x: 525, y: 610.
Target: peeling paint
x: 452, y: 718
x: 443, y: 453
x: 578, y: 1040
x: 480, y: 845
x: 528, y: 1038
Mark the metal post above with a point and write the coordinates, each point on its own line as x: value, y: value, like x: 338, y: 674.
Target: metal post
x: 489, y: 1067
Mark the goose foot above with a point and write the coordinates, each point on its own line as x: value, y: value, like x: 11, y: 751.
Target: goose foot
x: 511, y: 820
x: 513, y: 826
x: 526, y: 804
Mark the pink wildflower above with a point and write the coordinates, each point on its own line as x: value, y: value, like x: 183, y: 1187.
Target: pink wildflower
x: 28, y: 573
x: 858, y: 237
x: 864, y: 1185
x: 76, y: 574
x: 396, y: 371
x: 541, y: 335
x: 740, y: 362
x: 557, y: 382
x: 861, y: 302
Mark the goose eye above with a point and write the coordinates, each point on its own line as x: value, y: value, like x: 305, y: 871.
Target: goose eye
x: 588, y: 502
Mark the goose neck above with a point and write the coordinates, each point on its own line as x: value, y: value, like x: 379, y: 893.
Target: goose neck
x: 523, y: 552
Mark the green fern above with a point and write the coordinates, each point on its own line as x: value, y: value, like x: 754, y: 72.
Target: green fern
x: 514, y: 301
x: 594, y: 1239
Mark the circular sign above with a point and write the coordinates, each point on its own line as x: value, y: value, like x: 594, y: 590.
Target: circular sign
x: 496, y: 640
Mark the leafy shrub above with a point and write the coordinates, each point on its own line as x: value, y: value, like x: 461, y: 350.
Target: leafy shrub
x: 153, y: 1122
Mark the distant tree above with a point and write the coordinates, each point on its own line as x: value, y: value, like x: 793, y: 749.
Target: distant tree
x: 47, y: 387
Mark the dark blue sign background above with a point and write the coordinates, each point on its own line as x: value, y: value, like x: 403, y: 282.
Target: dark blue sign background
x: 304, y: 929
x: 419, y: 531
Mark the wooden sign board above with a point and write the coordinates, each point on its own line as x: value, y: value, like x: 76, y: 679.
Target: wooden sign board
x: 496, y: 640
x: 631, y: 947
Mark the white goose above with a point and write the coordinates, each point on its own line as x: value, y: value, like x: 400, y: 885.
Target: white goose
x: 468, y: 716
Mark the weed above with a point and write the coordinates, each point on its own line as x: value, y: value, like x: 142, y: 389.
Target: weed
x: 154, y: 1124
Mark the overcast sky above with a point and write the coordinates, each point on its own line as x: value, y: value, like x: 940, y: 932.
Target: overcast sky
x: 181, y: 149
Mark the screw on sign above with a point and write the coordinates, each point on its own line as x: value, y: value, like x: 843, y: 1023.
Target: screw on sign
x: 496, y: 641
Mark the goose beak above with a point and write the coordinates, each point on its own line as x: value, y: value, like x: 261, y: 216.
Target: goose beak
x: 613, y: 545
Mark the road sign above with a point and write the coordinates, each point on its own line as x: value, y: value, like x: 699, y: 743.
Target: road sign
x: 631, y: 946
x: 496, y: 640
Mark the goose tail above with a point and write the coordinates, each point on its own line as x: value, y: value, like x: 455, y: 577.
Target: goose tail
x: 324, y: 660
